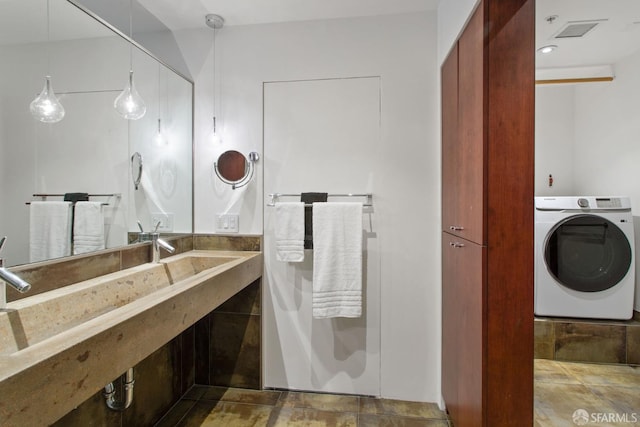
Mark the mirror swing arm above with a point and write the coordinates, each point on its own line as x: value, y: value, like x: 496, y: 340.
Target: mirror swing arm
x: 249, y: 170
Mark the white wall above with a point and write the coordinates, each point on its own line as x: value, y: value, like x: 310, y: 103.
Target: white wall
x: 555, y: 140
x: 402, y: 51
x: 452, y: 18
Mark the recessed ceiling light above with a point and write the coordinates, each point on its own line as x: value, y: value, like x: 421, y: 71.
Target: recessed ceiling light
x: 547, y: 49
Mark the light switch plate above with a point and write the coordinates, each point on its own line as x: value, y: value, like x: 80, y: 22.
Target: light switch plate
x: 228, y: 223
x: 166, y: 221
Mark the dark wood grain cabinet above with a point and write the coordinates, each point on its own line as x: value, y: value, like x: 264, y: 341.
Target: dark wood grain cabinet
x: 462, y: 372
x: 462, y: 135
x: 487, y: 218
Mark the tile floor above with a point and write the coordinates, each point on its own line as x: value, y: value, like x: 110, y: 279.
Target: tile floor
x: 229, y: 407
x: 609, y: 395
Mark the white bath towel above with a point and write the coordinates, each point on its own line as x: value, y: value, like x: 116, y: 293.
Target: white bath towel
x: 337, y: 260
x: 289, y: 232
x: 49, y: 230
x: 88, y: 227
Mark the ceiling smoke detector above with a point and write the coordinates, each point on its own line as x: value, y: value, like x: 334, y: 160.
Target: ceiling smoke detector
x: 576, y: 29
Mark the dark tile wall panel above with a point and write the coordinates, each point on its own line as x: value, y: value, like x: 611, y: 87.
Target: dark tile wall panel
x: 230, y: 243
x: 588, y: 340
x: 235, y: 350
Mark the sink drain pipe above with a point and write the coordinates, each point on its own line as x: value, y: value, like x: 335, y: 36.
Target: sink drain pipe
x: 110, y: 393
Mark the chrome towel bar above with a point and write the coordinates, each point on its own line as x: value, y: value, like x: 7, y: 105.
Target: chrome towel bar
x: 273, y: 197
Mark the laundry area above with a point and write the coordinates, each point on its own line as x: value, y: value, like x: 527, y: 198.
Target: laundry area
x: 587, y: 202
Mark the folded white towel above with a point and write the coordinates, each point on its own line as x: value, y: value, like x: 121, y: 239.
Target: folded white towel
x: 88, y: 227
x: 337, y: 260
x: 49, y: 230
x: 289, y: 232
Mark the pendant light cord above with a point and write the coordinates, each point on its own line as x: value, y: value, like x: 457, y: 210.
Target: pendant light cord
x: 48, y: 39
x: 131, y: 34
x: 159, y: 94
x: 215, y: 98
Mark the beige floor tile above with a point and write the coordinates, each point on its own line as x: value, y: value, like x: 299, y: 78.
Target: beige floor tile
x: 323, y: 402
x: 369, y: 420
x: 307, y: 417
x: 555, y: 404
x: 222, y: 414
x: 400, y: 408
x: 624, y: 400
x: 594, y: 374
x: 239, y: 395
x: 552, y: 371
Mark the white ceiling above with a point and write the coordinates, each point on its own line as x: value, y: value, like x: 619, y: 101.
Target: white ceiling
x: 190, y: 13
x: 23, y: 21
x: 610, y: 41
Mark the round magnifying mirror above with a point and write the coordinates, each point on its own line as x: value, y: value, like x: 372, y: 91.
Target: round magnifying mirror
x: 232, y: 166
x: 234, y: 169
x: 136, y: 169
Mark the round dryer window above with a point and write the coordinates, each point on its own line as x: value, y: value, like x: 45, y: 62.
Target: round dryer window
x: 587, y: 253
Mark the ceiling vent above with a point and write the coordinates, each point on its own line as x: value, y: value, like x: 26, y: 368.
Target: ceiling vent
x: 575, y: 29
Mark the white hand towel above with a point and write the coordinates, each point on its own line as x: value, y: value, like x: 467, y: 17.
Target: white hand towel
x: 49, y: 230
x: 88, y: 227
x: 289, y: 232
x: 337, y: 260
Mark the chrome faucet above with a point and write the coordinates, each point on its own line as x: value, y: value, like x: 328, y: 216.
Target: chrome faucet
x: 143, y: 236
x: 8, y: 277
x: 156, y: 244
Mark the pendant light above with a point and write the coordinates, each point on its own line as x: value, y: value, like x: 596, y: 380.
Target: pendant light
x: 214, y: 22
x: 159, y: 137
x: 46, y: 107
x: 129, y: 104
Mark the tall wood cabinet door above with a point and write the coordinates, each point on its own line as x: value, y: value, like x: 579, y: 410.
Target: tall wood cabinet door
x: 450, y: 139
x: 450, y: 325
x: 470, y: 192
x: 462, y: 321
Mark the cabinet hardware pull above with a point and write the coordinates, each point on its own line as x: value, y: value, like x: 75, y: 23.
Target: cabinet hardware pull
x: 456, y: 227
x: 456, y: 244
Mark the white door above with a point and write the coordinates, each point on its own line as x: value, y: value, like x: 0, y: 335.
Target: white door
x: 320, y: 136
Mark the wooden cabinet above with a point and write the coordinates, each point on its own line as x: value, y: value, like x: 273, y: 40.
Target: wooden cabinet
x: 450, y: 146
x: 462, y: 311
x: 462, y: 135
x: 487, y: 218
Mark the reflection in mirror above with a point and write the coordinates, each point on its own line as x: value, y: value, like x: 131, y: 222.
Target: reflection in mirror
x: 136, y: 170
x: 90, y: 150
x: 234, y: 169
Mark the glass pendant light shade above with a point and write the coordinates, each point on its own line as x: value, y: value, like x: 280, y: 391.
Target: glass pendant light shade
x: 129, y: 103
x: 159, y: 138
x: 46, y: 107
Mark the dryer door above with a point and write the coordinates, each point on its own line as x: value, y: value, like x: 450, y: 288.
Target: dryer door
x: 587, y: 253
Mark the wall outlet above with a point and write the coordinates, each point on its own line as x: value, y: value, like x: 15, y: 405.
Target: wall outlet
x: 227, y: 223
x: 166, y: 221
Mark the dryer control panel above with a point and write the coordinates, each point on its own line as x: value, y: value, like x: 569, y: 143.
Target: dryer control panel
x: 579, y: 203
x: 613, y: 202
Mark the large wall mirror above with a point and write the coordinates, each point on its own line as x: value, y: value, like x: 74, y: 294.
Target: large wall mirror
x: 90, y: 150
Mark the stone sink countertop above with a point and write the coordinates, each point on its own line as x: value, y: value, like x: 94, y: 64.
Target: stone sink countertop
x: 41, y: 382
